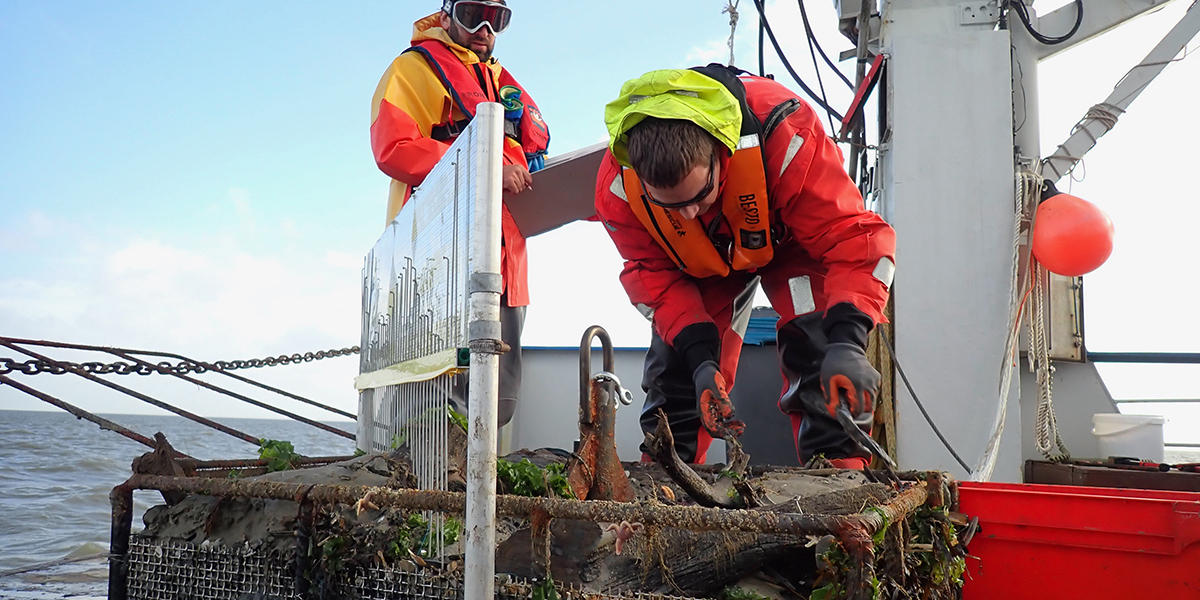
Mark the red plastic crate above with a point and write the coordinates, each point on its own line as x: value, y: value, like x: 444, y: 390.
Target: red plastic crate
x: 1059, y: 541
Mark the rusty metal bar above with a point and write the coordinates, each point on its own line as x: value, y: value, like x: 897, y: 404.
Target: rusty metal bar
x: 692, y: 518
x: 255, y: 462
x: 209, y: 366
x: 80, y: 413
x: 895, y: 509
x: 856, y: 531
x: 118, y: 553
x: 246, y: 399
x: 144, y: 398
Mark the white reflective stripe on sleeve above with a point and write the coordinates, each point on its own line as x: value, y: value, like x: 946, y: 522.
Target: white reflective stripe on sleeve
x: 747, y: 141
x: 743, y: 306
x: 802, y: 295
x: 793, y: 147
x: 885, y: 271
x: 618, y: 187
x: 646, y: 310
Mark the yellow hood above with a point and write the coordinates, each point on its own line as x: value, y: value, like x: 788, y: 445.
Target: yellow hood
x: 673, y: 94
x: 430, y: 28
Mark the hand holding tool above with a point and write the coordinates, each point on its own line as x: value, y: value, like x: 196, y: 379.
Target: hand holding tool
x: 716, y: 409
x: 862, y: 439
x: 848, y: 379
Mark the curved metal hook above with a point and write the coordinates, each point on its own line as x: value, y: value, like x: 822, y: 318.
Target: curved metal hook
x: 585, y: 365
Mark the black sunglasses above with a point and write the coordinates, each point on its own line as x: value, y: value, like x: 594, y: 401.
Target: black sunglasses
x: 704, y: 191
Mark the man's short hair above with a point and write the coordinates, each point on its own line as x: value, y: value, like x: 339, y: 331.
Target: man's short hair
x: 664, y: 151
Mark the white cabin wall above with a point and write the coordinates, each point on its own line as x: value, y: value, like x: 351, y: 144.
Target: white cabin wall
x: 1078, y: 393
x: 948, y: 190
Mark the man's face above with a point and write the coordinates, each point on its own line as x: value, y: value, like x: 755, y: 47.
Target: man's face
x: 482, y: 42
x: 688, y: 188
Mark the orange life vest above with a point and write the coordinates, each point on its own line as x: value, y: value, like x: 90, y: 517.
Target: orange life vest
x: 745, y: 201
x: 471, y: 85
x: 744, y: 205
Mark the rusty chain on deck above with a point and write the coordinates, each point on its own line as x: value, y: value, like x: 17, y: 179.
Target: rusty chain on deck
x: 36, y: 366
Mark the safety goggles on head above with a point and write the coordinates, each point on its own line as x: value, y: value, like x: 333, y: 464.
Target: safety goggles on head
x: 704, y: 191
x: 473, y: 14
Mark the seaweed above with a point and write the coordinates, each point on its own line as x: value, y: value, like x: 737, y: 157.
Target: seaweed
x: 279, y: 454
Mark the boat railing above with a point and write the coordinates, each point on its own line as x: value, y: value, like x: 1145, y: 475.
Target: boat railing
x: 1156, y: 358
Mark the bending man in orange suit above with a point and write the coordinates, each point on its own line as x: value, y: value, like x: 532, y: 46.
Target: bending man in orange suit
x: 715, y: 181
x: 424, y: 100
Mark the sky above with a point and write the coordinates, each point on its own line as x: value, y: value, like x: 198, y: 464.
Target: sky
x: 197, y: 177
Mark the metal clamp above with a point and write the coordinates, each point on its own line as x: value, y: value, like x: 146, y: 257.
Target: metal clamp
x: 624, y: 395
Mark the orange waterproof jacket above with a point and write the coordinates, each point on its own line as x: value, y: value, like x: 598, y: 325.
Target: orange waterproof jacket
x: 811, y: 197
x: 409, y: 104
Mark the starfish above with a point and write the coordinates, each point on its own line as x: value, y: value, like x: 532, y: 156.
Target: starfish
x: 364, y: 503
x: 624, y: 531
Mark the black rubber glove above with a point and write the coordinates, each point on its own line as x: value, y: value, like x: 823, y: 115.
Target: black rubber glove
x: 846, y: 375
x: 716, y: 410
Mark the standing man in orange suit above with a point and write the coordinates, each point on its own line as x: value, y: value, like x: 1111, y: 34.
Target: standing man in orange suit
x: 425, y: 99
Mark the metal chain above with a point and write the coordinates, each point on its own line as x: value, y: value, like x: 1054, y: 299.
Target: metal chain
x: 35, y: 366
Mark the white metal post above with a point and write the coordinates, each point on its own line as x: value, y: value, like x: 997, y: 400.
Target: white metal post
x: 948, y: 190
x: 484, y: 330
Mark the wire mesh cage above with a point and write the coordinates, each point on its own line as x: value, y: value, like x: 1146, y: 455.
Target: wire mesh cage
x: 328, y: 540
x: 164, y: 569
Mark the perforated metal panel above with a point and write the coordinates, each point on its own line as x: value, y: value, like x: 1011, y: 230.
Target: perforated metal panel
x: 415, y: 278
x: 416, y: 312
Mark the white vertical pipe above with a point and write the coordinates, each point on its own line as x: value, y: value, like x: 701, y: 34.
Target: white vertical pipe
x: 479, y: 576
x: 1027, y: 128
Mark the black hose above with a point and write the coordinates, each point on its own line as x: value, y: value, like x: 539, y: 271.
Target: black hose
x: 1018, y: 6
x: 762, y: 67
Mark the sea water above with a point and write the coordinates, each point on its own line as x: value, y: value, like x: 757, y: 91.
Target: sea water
x: 56, y: 473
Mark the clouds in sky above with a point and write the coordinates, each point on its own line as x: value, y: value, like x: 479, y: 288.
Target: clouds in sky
x: 206, y: 296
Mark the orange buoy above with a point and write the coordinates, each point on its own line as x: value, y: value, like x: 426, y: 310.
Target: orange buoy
x: 1071, y: 236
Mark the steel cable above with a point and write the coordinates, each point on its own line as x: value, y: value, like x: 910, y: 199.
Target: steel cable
x: 788, y: 65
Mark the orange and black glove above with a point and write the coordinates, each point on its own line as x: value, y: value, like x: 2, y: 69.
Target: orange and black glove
x: 716, y: 410
x: 699, y: 345
x: 847, y: 378
x: 846, y: 375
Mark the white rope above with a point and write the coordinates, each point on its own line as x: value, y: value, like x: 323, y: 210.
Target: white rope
x: 1027, y: 185
x: 1104, y: 114
x: 731, y: 8
x: 1045, y: 421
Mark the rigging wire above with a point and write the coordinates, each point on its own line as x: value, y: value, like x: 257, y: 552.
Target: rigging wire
x: 812, y: 39
x: 1018, y: 6
x: 787, y: 65
x: 816, y: 67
